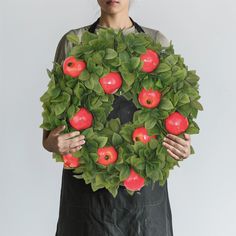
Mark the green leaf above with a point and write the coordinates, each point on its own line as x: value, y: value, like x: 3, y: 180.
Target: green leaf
x: 96, y: 85
x: 126, y: 133
x: 171, y: 60
x: 59, y: 108
x: 159, y: 84
x: 152, y: 172
x: 78, y: 90
x: 98, y: 125
x: 55, y: 92
x: 185, y: 109
x: 89, y: 134
x: 138, y: 163
x: 89, y: 83
x: 163, y: 67
x: 110, y: 54
x: 88, y: 36
x: 71, y: 111
x: 113, y: 190
x: 45, y: 97
x: 96, y: 186
x: 196, y: 104
x: 73, y: 38
x: 121, y: 47
x: 178, y: 73
x: 148, y: 83
x: 124, y: 57
x: 140, y: 49
x: 115, y: 124
x: 150, y: 123
x: 153, y: 131
x: 57, y: 157
x: 165, y: 104
x: 192, y: 92
x: 124, y: 172
x: 128, y: 78
x: 143, y: 116
x: 134, y: 62
x: 153, y: 143
x: 100, y: 180
x: 138, y: 145
x: 184, y: 99
x: 84, y: 75
x: 192, y: 78
x: 98, y: 70
x: 116, y: 139
x: 98, y: 56
x: 101, y: 141
x: 90, y: 64
x: 192, y: 150
x: 193, y: 128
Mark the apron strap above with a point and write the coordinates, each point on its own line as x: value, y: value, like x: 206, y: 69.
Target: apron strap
x: 94, y: 25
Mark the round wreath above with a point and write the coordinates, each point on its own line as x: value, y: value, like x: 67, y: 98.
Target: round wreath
x: 80, y: 96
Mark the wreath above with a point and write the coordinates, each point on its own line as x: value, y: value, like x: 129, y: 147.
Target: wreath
x: 80, y: 94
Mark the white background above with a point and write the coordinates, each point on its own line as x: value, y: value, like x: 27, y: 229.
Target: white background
x: 202, y: 191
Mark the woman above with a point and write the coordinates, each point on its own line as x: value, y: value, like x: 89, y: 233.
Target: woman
x: 87, y: 213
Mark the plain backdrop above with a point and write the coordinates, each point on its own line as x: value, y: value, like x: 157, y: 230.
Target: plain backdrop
x: 202, y: 191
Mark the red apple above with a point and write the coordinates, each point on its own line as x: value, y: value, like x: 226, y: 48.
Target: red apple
x: 149, y: 98
x: 73, y: 67
x: 151, y: 60
x: 70, y: 161
x: 111, y: 82
x: 176, y: 123
x: 134, y: 181
x: 107, y: 155
x: 141, y: 134
x: 82, y: 119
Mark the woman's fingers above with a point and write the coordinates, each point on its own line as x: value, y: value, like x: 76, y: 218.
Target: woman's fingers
x: 176, y: 139
x: 78, y: 142
x: 177, y: 147
x: 175, y: 152
x: 57, y: 130
x: 187, y: 136
x: 70, y: 142
x: 70, y: 135
x: 174, y: 155
x: 70, y: 147
x: 75, y: 149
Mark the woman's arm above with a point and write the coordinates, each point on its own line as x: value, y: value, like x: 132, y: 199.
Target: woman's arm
x: 45, y: 135
x: 179, y: 148
x: 54, y: 141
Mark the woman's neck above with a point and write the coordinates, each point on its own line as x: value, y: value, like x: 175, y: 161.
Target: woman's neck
x: 117, y: 21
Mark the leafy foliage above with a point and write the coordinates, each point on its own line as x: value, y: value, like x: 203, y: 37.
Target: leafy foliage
x: 112, y: 51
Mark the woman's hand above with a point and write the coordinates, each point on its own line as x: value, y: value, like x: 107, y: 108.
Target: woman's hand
x: 63, y: 143
x: 178, y: 147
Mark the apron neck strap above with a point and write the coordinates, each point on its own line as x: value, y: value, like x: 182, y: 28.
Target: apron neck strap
x: 94, y: 25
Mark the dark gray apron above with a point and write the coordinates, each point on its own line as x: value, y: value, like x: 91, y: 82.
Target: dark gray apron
x: 87, y: 213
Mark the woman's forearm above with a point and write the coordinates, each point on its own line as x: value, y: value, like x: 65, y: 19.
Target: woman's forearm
x: 46, y: 145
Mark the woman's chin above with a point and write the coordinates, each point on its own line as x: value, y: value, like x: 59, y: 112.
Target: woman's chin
x: 112, y: 11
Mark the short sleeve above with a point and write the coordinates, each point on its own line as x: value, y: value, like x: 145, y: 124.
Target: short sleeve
x: 157, y: 36
x: 164, y: 41
x: 62, y: 49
